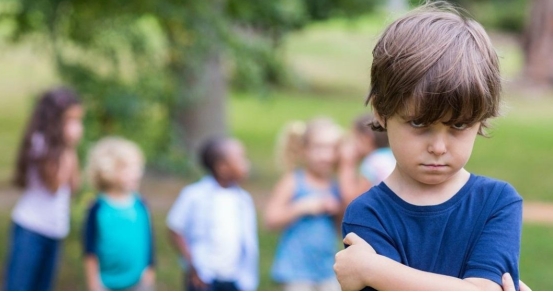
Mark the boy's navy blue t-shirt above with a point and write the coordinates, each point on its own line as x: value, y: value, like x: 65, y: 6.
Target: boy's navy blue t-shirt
x: 476, y: 233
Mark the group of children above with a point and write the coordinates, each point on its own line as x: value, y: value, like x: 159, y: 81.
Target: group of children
x: 412, y: 216
x: 212, y: 224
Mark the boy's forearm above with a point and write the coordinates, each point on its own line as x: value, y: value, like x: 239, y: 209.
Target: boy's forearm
x: 92, y: 273
x: 180, y: 245
x: 149, y: 278
x: 387, y: 274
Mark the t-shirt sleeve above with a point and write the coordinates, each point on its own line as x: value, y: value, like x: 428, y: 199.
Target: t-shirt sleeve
x: 378, y: 239
x: 90, y: 230
x: 497, y: 250
x: 151, y: 232
x: 178, y: 216
x: 365, y: 222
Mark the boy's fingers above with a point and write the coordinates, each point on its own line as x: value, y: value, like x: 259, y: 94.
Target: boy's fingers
x: 523, y: 287
x: 508, y: 284
x: 352, y: 239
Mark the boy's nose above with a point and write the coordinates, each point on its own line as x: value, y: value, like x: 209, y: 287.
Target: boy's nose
x: 437, y: 145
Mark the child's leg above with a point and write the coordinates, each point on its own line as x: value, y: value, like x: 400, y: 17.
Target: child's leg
x: 23, y: 259
x: 48, y: 264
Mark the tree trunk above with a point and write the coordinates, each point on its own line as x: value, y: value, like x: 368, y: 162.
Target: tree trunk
x: 538, y: 44
x: 205, y: 115
x: 200, y: 111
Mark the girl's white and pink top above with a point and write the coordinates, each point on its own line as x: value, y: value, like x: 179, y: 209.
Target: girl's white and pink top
x: 39, y: 209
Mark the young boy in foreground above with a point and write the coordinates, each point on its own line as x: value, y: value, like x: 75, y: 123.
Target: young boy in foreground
x: 432, y: 225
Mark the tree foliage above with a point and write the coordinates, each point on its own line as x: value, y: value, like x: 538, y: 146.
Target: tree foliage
x: 137, y: 64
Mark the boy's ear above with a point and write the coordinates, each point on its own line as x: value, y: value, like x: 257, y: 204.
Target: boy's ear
x: 380, y: 120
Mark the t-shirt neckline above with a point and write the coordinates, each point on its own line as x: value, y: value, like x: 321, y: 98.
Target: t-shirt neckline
x: 463, y: 191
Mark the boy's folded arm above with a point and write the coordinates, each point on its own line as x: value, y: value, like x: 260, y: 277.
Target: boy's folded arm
x: 359, y: 265
x: 387, y: 274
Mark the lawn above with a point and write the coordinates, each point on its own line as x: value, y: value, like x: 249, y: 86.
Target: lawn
x: 330, y: 62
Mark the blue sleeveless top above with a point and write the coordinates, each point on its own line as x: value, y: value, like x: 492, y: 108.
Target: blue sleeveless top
x: 307, y: 246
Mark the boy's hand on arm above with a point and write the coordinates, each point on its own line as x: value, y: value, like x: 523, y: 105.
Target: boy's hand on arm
x: 351, y: 263
x: 509, y: 284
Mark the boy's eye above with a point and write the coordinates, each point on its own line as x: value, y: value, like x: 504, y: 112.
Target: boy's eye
x: 460, y: 126
x: 416, y: 124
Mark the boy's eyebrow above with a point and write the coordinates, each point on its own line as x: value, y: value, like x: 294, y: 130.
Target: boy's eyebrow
x: 451, y: 121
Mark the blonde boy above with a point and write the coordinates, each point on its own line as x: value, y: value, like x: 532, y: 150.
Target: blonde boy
x: 118, y: 236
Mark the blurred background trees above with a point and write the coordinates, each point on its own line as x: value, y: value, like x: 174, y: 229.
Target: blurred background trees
x: 159, y: 71
x: 538, y: 44
x: 147, y: 65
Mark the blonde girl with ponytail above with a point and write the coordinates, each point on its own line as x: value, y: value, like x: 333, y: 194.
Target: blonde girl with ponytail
x: 304, y: 205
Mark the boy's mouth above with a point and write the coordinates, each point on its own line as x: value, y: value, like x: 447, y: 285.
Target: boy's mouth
x: 434, y: 165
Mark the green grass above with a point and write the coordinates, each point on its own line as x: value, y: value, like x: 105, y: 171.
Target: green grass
x: 535, y: 266
x: 519, y: 150
x: 331, y: 64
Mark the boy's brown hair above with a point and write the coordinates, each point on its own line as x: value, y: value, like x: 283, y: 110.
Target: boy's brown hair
x: 432, y: 63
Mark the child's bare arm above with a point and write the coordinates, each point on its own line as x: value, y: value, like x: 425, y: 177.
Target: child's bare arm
x: 180, y: 245
x: 351, y: 183
x: 75, y: 177
x: 359, y: 266
x: 92, y: 273
x: 282, y: 211
x: 278, y: 213
x: 148, y: 279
